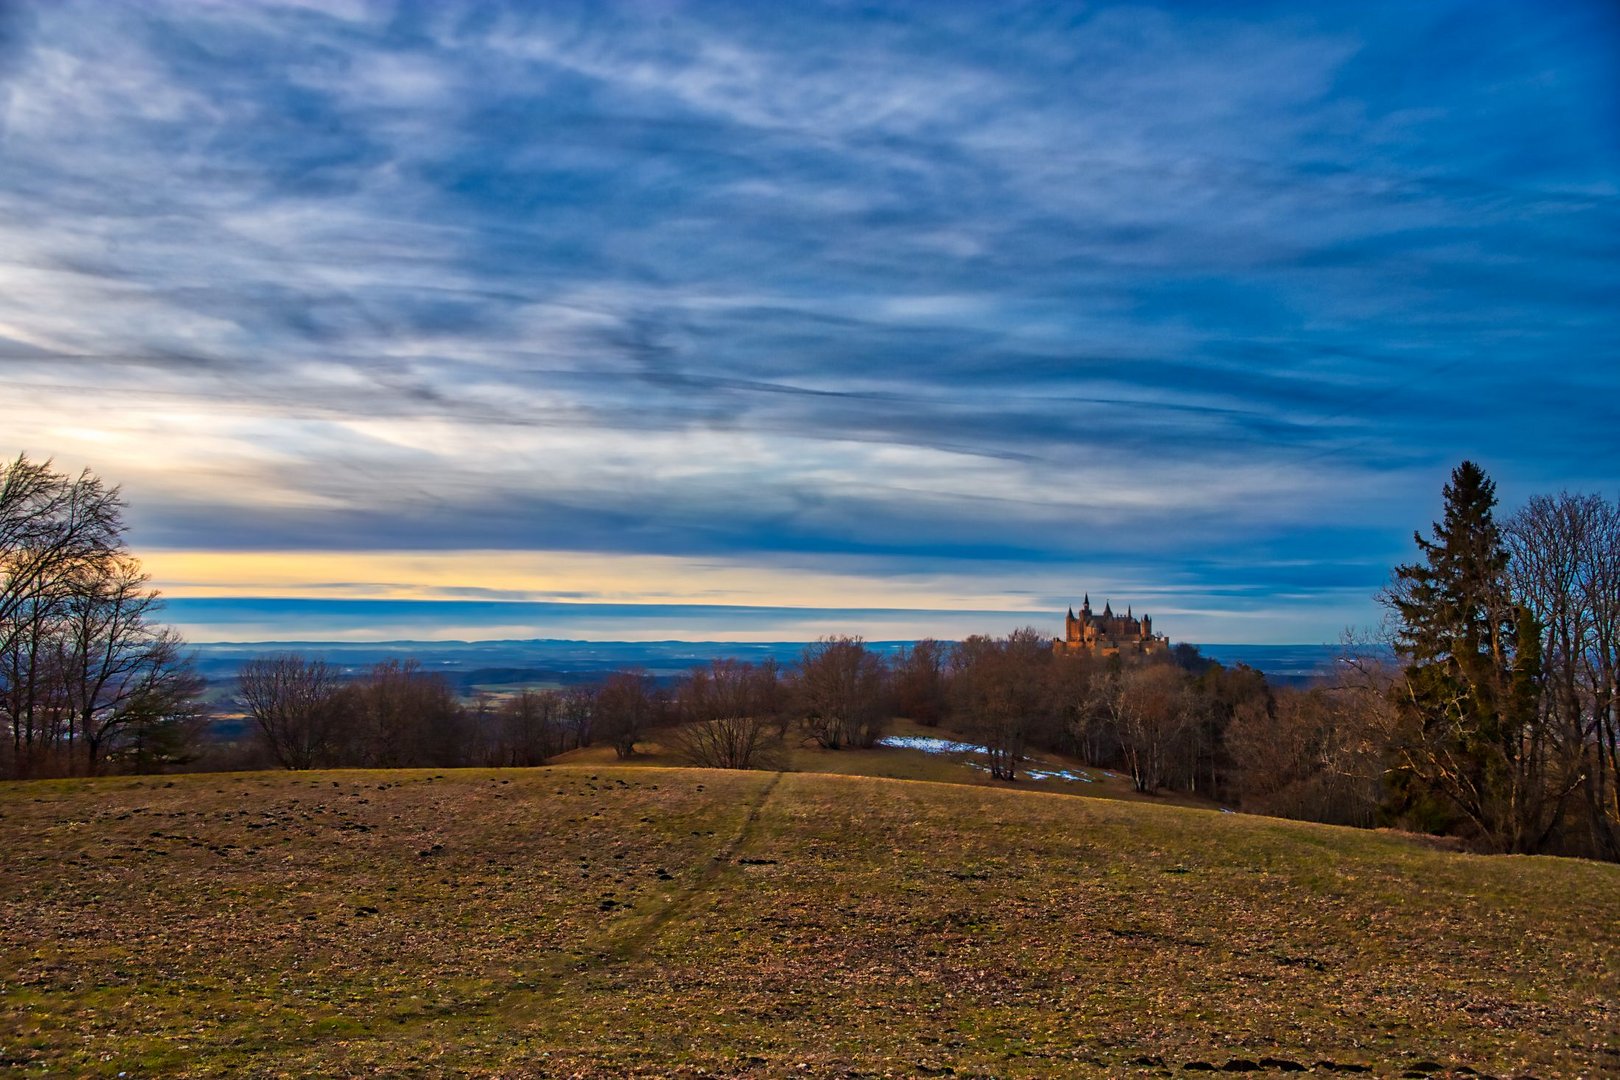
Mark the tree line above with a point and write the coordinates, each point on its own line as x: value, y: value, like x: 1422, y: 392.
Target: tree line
x: 1161, y: 720
x: 304, y: 713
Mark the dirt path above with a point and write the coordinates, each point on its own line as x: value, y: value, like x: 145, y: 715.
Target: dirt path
x: 634, y: 944
x: 513, y: 1011
x: 510, y: 1013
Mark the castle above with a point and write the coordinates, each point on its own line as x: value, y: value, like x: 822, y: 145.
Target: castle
x: 1107, y: 634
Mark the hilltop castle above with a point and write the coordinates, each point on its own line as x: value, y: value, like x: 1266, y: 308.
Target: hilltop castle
x: 1107, y: 634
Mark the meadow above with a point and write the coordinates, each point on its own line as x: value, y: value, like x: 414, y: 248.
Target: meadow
x: 588, y: 919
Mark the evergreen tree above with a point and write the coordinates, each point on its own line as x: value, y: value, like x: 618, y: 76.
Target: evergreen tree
x: 1470, y: 747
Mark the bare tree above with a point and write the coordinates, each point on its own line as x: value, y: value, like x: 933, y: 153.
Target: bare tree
x: 1564, y: 567
x: 1218, y: 695
x: 841, y: 693
x: 52, y: 530
x: 626, y: 706
x: 82, y: 664
x: 1316, y: 755
x: 729, y: 710
x: 532, y: 727
x: 1078, y: 721
x: 297, y: 707
x: 1149, y: 710
x: 33, y: 700
x: 118, y: 668
x: 920, y: 681
x: 1001, y: 694
x: 404, y: 716
x: 579, y: 713
x: 1602, y: 593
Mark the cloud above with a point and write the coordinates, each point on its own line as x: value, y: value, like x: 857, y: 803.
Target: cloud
x: 1097, y: 284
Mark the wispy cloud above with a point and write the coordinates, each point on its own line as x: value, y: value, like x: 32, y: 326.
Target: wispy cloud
x: 1099, y: 286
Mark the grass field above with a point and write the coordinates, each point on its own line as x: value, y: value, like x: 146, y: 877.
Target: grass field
x: 589, y: 920
x: 799, y: 755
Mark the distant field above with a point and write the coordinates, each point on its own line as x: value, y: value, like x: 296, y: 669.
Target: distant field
x: 589, y: 920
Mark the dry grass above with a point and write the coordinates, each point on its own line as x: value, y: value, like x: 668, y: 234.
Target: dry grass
x: 895, y: 763
x: 599, y: 921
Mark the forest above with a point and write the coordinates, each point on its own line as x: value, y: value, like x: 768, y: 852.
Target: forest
x: 1496, y: 724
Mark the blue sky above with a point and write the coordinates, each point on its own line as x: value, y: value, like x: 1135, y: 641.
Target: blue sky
x: 902, y: 319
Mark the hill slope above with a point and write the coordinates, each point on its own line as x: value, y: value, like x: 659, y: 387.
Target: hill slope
x: 911, y: 751
x: 598, y: 921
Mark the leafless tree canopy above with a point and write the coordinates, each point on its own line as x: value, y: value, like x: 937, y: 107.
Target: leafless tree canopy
x: 729, y: 715
x: 87, y: 677
x: 627, y: 704
x: 402, y: 715
x: 308, y: 714
x: 1316, y: 754
x: 841, y: 693
x: 1000, y: 694
x: 1564, y: 568
x: 298, y: 708
x: 531, y: 728
x: 920, y: 681
x: 1152, y: 714
x: 1503, y: 725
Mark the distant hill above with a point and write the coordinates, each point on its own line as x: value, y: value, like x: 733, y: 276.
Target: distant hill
x: 571, y: 661
x: 599, y: 921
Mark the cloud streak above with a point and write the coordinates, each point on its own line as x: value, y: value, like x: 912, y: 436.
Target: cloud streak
x: 1105, y: 286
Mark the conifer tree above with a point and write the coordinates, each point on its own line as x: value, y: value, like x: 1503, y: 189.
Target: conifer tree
x: 1470, y: 741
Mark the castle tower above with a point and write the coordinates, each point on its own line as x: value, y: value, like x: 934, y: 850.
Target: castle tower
x: 1107, y: 634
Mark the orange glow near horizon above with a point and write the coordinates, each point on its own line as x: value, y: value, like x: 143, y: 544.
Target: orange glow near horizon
x: 579, y: 577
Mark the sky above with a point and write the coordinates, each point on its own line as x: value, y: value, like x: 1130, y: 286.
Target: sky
x: 760, y: 321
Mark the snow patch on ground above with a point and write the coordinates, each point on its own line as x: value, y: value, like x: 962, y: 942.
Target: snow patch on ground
x: 1038, y: 770
x: 1035, y: 770
x: 1059, y: 774
x: 930, y: 746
